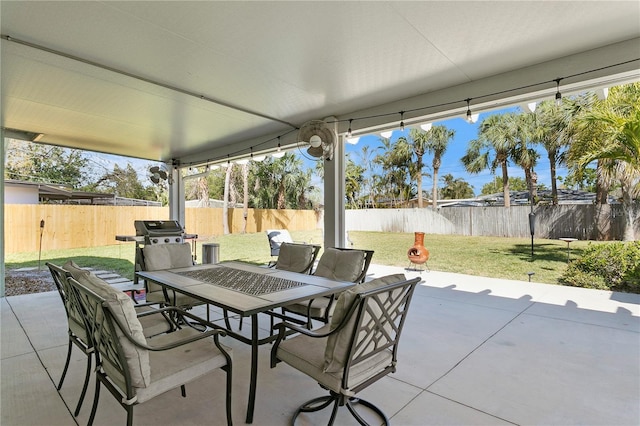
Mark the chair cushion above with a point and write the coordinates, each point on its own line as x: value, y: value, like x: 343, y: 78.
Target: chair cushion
x: 174, y: 367
x: 319, y: 306
x: 76, y: 322
x: 340, y: 265
x: 75, y: 270
x: 167, y: 256
x: 337, y: 347
x: 294, y: 257
x: 304, y: 353
x: 122, y: 307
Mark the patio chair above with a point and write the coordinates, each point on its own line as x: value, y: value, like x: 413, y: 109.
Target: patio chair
x: 357, y: 348
x: 166, y: 256
x: 276, y: 237
x: 297, y: 257
x: 135, y: 369
x: 341, y: 264
x: 157, y: 257
x: 76, y: 325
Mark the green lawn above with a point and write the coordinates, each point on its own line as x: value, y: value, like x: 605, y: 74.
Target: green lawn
x: 484, y: 256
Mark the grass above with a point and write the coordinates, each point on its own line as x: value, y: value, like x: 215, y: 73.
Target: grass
x: 494, y: 257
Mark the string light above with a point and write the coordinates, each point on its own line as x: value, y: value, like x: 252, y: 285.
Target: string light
x: 558, y: 94
x: 470, y: 117
x: 278, y: 153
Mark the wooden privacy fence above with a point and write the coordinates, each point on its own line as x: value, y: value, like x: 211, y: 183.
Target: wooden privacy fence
x: 91, y: 226
x: 576, y: 221
x: 67, y: 226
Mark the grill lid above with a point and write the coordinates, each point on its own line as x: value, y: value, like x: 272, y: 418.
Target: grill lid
x: 157, y: 228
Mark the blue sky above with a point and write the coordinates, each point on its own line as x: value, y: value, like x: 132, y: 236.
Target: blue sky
x: 464, y: 132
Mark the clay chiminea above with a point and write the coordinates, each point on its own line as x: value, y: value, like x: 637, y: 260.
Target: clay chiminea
x: 418, y: 254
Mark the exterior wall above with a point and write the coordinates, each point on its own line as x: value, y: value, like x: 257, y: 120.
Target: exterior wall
x: 21, y: 194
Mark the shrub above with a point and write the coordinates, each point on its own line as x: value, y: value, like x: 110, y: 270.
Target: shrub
x: 614, y: 266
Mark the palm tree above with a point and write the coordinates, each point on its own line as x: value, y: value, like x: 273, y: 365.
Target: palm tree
x: 455, y: 188
x: 366, y: 160
x: 610, y: 133
x: 495, y: 137
x: 353, y: 183
x: 415, y: 144
x: 397, y: 170
x: 552, y: 131
x: 435, y: 141
x: 524, y: 133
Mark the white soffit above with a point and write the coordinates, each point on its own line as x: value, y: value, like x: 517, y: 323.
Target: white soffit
x: 292, y: 61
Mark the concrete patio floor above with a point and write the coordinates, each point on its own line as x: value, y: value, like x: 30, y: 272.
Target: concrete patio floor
x: 475, y: 351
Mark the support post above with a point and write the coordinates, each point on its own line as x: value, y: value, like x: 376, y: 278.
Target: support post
x: 334, y: 198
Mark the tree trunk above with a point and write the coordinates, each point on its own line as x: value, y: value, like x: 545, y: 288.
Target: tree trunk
x: 505, y: 186
x: 554, y: 185
x: 627, y: 210
x: 245, y: 198
x: 281, y: 196
x: 225, y: 205
x: 434, y: 191
x: 419, y: 182
x: 203, y: 192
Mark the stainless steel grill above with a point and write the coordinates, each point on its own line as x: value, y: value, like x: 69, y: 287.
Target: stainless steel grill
x: 160, y: 231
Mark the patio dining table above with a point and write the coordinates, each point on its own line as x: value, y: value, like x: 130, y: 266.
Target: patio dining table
x: 247, y: 290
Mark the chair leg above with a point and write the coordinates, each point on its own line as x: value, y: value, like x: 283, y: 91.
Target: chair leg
x: 94, y: 408
x: 129, y: 409
x: 84, y: 387
x: 318, y: 404
x: 66, y: 365
x: 352, y: 410
x: 228, y: 401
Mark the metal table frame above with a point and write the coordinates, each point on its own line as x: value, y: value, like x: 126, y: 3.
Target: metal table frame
x: 246, y: 305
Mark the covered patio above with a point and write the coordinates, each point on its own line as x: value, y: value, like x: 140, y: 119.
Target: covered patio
x: 474, y: 351
x: 191, y: 84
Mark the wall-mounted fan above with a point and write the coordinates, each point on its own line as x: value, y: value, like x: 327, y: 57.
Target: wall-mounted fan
x: 320, y: 137
x: 159, y: 173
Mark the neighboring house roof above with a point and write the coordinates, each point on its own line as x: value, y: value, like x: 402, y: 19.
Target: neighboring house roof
x: 565, y: 196
x: 49, y: 191
x: 212, y: 203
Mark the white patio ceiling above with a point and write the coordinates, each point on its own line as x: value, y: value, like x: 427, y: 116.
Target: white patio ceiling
x: 202, y: 80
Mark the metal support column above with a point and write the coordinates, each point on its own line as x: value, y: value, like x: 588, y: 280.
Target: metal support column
x: 334, y: 198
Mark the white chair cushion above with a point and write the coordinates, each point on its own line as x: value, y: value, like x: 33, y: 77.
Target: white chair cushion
x: 294, y: 257
x: 167, y: 256
x: 340, y: 265
x: 176, y: 366
x: 122, y: 307
x: 337, y: 347
x: 305, y: 354
x: 75, y: 270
